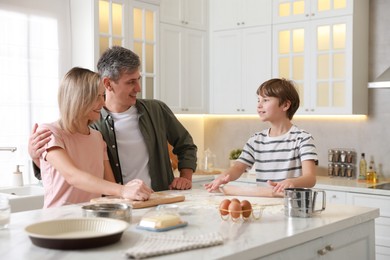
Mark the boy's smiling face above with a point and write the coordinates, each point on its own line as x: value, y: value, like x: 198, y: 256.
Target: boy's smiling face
x: 270, y: 110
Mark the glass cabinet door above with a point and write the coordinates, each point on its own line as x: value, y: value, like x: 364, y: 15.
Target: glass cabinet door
x: 317, y: 57
x: 144, y: 41
x: 111, y: 24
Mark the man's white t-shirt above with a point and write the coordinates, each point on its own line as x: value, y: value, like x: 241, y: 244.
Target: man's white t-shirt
x: 133, y: 154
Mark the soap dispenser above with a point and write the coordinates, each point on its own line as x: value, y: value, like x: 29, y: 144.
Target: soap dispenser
x: 18, y: 177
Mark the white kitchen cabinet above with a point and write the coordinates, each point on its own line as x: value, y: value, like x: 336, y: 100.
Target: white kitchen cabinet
x: 336, y: 197
x: 183, y: 69
x: 234, y: 14
x: 328, y: 61
x: 240, y: 62
x: 356, y: 242
x: 382, y: 224
x: 186, y: 13
x: 285, y: 11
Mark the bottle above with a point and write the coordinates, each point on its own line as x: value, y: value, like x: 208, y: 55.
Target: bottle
x: 17, y: 177
x: 371, y: 172
x: 362, y: 168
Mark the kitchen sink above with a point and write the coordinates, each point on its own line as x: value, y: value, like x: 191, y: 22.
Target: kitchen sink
x: 383, y: 186
x: 24, y: 198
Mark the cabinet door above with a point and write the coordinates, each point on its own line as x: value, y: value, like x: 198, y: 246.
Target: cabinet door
x: 285, y: 11
x: 291, y: 58
x: 331, y: 64
x: 226, y: 72
x: 194, y: 98
x: 171, y: 65
x: 317, y: 56
x: 256, y: 65
x: 196, y: 14
x: 183, y: 78
x: 233, y: 14
x: 241, y: 61
x: 188, y: 13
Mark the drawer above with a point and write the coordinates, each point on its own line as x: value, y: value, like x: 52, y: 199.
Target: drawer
x: 335, y: 197
x: 372, y: 201
x: 382, y: 231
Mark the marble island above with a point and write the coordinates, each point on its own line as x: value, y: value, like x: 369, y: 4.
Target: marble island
x: 340, y: 231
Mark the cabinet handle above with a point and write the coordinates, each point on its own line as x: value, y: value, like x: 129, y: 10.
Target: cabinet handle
x: 322, y: 251
x: 242, y: 23
x: 238, y: 23
x: 242, y: 110
x: 329, y: 247
x: 238, y: 110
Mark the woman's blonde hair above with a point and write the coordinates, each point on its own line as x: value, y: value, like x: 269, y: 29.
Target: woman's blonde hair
x: 76, y: 97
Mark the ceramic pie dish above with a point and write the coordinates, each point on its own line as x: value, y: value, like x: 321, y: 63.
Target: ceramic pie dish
x: 77, y: 233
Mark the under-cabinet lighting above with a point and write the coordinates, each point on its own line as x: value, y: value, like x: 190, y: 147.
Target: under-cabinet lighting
x: 298, y: 117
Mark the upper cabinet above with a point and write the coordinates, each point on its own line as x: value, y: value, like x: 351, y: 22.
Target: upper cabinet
x: 184, y: 58
x: 186, y: 13
x: 240, y: 54
x: 302, y: 10
x: 240, y: 62
x: 99, y: 24
x: 235, y: 14
x: 183, y: 69
x: 327, y: 57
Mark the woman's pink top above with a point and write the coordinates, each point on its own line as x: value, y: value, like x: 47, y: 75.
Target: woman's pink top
x: 86, y: 151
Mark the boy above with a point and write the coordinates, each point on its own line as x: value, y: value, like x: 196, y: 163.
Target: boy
x: 284, y: 156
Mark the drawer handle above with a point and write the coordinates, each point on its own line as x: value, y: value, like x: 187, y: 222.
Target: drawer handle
x: 322, y: 251
x: 329, y: 247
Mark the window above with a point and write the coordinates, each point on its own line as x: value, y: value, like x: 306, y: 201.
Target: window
x: 30, y: 71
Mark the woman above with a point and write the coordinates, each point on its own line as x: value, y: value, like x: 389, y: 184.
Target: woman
x: 74, y: 164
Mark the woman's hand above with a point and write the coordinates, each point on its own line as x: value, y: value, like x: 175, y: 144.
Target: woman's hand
x: 136, y: 190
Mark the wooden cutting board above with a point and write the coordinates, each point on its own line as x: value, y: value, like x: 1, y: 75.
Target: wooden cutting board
x: 157, y: 198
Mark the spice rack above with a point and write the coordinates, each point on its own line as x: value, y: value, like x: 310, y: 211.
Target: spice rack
x: 341, y: 162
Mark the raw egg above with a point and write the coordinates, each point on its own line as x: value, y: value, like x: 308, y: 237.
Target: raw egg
x: 224, y: 207
x: 246, y: 208
x: 235, y: 209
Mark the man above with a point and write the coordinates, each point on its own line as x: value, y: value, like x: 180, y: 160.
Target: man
x: 137, y: 131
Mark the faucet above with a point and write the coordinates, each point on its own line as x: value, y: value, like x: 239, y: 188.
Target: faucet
x: 10, y: 149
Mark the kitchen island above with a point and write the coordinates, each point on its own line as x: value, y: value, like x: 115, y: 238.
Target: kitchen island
x: 339, y: 232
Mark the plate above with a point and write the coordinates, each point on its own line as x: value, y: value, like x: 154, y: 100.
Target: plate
x: 77, y: 233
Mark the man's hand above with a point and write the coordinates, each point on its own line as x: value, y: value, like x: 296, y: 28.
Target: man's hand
x: 37, y: 142
x: 180, y: 183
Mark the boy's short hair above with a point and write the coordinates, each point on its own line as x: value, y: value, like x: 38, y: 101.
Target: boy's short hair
x: 282, y: 89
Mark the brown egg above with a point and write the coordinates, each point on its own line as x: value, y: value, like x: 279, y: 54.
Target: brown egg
x: 236, y: 200
x: 235, y: 209
x: 246, y: 208
x: 224, y: 207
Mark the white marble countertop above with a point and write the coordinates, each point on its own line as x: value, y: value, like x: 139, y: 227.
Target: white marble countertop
x: 272, y: 233
x: 323, y: 182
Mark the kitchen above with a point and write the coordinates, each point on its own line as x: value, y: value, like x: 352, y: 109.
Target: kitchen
x: 210, y: 131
